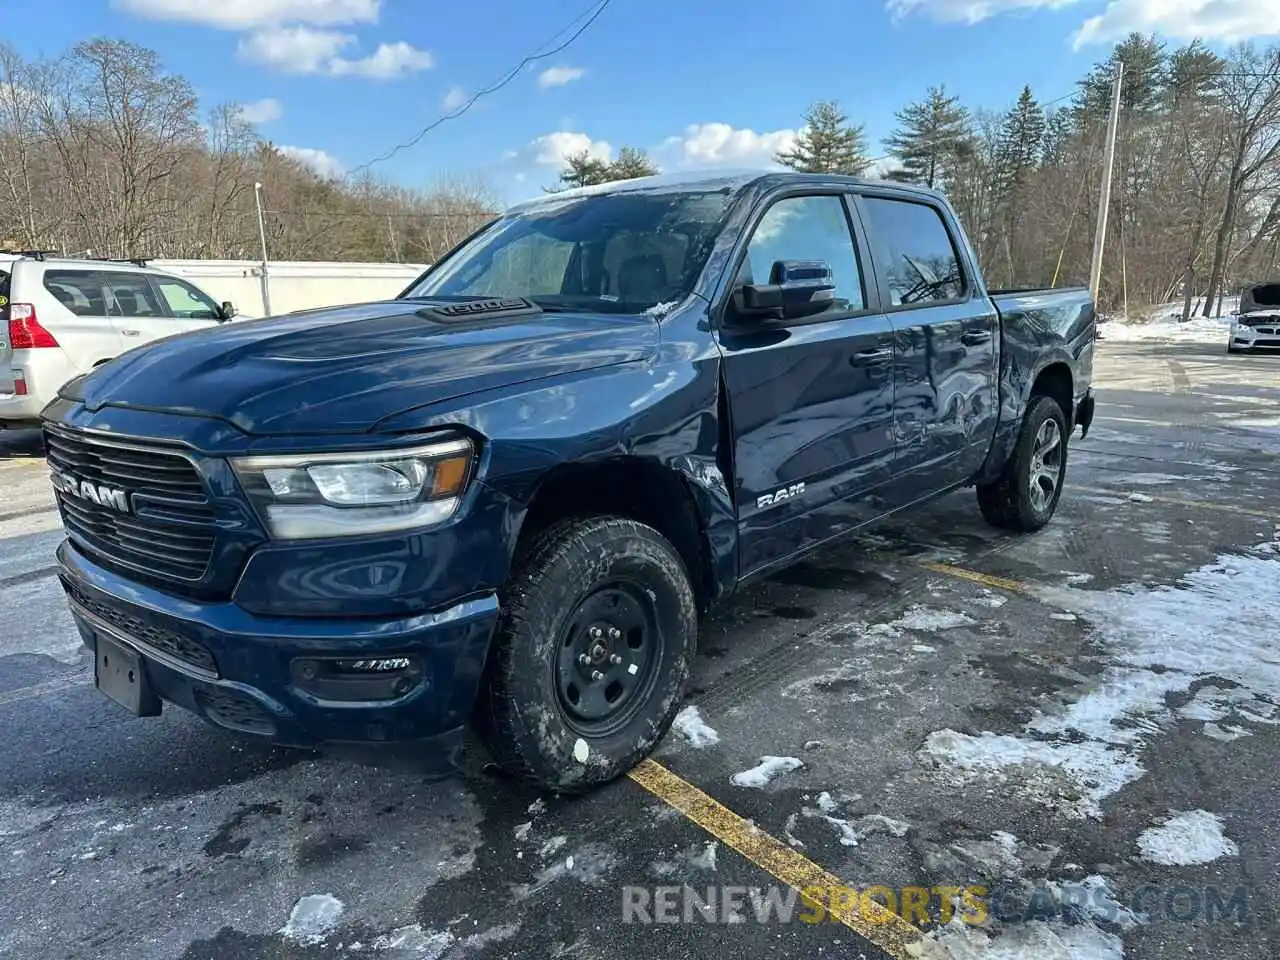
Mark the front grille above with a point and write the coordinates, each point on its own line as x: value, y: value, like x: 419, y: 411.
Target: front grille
x: 166, y: 641
x: 169, y: 532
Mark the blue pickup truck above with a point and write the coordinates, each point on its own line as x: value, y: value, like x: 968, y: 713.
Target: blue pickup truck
x: 505, y: 498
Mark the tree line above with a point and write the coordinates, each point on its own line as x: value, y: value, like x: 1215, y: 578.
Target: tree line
x: 103, y: 152
x: 1195, y: 205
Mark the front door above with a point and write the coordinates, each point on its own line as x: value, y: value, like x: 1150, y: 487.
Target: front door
x: 946, y: 335
x: 811, y: 400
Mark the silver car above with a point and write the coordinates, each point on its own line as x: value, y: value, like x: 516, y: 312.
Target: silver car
x: 61, y: 317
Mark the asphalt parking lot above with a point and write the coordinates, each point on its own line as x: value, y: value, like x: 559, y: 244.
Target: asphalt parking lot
x: 1072, y: 736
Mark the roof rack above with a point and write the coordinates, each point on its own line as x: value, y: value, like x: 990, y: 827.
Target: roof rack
x: 33, y: 254
x: 136, y: 261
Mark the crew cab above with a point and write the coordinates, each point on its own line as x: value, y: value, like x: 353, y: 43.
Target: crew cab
x: 506, y: 497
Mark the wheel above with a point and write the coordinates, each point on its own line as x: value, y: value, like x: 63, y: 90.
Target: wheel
x: 1027, y: 492
x: 1232, y: 348
x: 591, y: 653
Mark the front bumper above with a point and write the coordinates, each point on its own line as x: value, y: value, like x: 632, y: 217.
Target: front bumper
x: 258, y: 674
x: 1246, y: 337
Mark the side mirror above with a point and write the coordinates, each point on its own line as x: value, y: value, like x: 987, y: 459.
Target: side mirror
x: 796, y: 289
x: 228, y: 311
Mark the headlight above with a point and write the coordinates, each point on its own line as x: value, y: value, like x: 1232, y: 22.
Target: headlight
x: 350, y: 494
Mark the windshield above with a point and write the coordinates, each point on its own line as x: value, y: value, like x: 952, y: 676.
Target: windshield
x: 615, y: 253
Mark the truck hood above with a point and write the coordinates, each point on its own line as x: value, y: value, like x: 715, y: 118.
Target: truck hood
x: 342, y: 370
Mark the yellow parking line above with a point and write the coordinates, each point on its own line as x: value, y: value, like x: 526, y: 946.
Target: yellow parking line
x: 865, y: 917
x: 1179, y: 501
x: 987, y: 579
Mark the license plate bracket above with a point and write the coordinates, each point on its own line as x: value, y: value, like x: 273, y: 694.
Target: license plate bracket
x: 120, y: 674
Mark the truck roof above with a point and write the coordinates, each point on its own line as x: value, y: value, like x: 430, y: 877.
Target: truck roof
x: 700, y: 181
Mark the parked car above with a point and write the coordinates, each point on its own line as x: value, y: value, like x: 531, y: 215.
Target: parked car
x: 61, y: 317
x: 506, y: 496
x: 1256, y: 323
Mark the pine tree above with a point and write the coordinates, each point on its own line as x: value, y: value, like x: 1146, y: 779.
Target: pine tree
x: 1145, y: 74
x: 631, y: 163
x: 827, y: 144
x: 1022, y: 136
x: 932, y: 139
x: 584, y: 170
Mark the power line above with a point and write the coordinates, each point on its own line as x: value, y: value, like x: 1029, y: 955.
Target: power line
x: 592, y: 14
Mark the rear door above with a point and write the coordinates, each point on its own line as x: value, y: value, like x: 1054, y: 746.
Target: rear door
x: 71, y: 305
x: 946, y: 334
x: 135, y: 308
x: 811, y: 399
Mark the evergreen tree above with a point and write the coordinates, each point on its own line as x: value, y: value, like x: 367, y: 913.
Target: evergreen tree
x: 1194, y: 73
x: 1141, y: 92
x: 1058, y: 131
x: 584, y: 170
x: 827, y: 144
x: 1021, y: 142
x: 631, y: 163
x: 932, y: 140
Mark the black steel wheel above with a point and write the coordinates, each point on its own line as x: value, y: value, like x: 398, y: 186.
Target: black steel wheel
x: 598, y: 629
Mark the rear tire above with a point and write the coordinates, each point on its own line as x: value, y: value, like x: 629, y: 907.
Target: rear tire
x: 1026, y: 494
x: 591, y: 654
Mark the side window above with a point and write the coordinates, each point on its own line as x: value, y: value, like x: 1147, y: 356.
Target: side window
x: 531, y: 266
x: 807, y: 228
x: 914, y: 251
x: 129, y: 295
x: 80, y: 291
x: 185, y: 301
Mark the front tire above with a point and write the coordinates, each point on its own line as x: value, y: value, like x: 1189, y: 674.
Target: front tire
x: 1026, y: 494
x: 591, y: 653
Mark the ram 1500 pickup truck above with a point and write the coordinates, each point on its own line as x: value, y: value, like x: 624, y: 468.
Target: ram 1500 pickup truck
x: 506, y: 497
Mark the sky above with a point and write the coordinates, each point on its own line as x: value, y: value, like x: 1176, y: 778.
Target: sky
x: 695, y: 83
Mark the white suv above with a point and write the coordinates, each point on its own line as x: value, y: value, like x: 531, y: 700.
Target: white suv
x: 63, y: 317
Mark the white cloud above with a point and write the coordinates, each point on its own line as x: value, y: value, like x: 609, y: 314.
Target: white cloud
x: 307, y: 50
x: 390, y: 60
x: 246, y: 14
x: 723, y: 145
x: 967, y: 11
x: 324, y: 164
x: 261, y: 111
x: 294, y: 49
x: 453, y: 99
x: 551, y: 149
x: 1224, y: 20
x: 559, y: 76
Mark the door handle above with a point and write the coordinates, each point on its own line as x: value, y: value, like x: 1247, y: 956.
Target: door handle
x: 874, y: 355
x: 975, y: 337
x: 130, y: 333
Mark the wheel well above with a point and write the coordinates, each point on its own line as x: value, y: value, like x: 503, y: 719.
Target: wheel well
x: 632, y: 487
x: 1055, y: 381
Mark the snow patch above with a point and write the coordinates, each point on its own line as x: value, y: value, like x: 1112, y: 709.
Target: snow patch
x: 929, y: 618
x: 1220, y: 621
x: 1186, y: 839
x: 312, y: 919
x: 1224, y: 734
x: 413, y: 941
x: 690, y: 725
x: 1035, y: 940
x: 767, y: 770
x: 706, y: 860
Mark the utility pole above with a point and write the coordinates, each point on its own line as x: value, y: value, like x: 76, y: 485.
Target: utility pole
x: 1104, y: 202
x: 262, y: 233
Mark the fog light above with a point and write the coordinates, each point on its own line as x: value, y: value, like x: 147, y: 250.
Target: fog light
x: 373, y: 666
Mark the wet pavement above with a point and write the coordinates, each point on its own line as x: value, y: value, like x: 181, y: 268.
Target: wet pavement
x: 1073, y: 734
